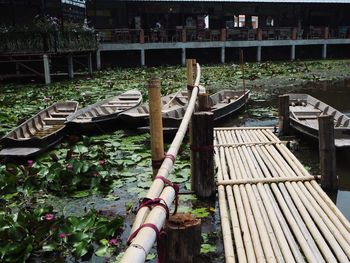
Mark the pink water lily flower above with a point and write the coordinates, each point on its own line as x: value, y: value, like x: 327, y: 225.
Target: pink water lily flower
x: 62, y: 235
x: 30, y: 163
x: 48, y: 217
x: 113, y: 242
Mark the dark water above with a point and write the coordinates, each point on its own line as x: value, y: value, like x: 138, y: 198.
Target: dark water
x: 336, y: 94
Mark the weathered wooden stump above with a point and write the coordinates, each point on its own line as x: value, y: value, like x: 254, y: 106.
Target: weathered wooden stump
x: 183, y: 242
x: 327, y: 152
x: 202, y: 150
x: 283, y: 114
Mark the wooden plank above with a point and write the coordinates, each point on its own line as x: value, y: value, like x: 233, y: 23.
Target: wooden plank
x: 19, y: 151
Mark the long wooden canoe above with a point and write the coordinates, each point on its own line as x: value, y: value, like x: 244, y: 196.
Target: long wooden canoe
x: 102, y: 116
x: 38, y: 133
x: 222, y: 104
x: 304, y: 111
x: 172, y: 105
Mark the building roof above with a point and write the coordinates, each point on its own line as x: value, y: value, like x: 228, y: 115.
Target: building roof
x: 253, y: 1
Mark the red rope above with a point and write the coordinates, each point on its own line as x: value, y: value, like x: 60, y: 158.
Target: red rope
x: 147, y: 202
x: 160, y: 235
x: 170, y: 156
x: 176, y: 189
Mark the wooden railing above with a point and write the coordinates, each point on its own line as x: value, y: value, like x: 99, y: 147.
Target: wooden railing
x: 125, y: 35
x: 52, y: 41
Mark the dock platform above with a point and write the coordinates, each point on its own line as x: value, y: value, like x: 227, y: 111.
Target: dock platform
x: 272, y: 209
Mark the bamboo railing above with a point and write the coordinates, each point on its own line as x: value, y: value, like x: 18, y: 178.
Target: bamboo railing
x: 275, y: 208
x: 144, y: 240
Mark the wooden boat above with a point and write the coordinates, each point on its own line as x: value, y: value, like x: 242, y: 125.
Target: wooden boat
x: 38, y: 133
x: 222, y: 103
x: 173, y: 104
x: 304, y: 111
x: 102, y: 116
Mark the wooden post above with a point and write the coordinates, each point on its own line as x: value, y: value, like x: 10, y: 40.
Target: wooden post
x: 327, y: 152
x: 90, y: 63
x: 183, y: 35
x: 183, y: 242
x: 202, y: 151
x: 223, y: 34
x: 294, y: 33
x: 70, y: 66
x: 326, y: 32
x: 203, y: 102
x: 283, y: 113
x: 98, y: 59
x: 47, y: 69
x: 156, y: 124
x: 142, y: 36
x: 259, y: 34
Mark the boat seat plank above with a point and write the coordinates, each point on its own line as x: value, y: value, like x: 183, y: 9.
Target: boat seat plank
x: 54, y: 121
x: 19, y: 151
x: 128, y: 97
x: 60, y: 114
x: 121, y: 102
x: 307, y: 117
x: 66, y: 110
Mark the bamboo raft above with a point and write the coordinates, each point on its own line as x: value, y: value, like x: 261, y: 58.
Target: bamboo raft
x: 272, y: 209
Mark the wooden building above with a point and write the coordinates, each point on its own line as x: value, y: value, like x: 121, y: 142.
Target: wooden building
x: 189, y: 25
x: 37, y: 36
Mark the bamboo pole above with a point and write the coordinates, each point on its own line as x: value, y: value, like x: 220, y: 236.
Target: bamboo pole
x: 293, y: 221
x: 313, y: 187
x: 259, y: 235
x: 225, y: 222
x: 247, y: 239
x: 156, y: 124
x: 323, y: 226
x: 266, y: 180
x: 259, y: 191
x: 158, y: 185
x: 324, y: 209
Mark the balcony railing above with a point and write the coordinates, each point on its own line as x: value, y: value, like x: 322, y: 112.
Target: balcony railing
x: 54, y: 41
x: 125, y: 35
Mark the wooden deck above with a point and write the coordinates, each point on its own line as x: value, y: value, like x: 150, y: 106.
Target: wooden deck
x: 272, y: 209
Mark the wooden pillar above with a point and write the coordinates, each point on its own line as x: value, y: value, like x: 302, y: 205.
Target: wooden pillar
x: 189, y: 71
x: 292, y: 52
x: 324, y: 51
x: 70, y: 66
x: 283, y: 113
x: 156, y: 124
x: 326, y: 32
x: 223, y: 34
x: 294, y: 33
x: 203, y: 102
x: 142, y: 36
x: 183, y: 56
x: 90, y: 63
x: 258, y: 54
x: 223, y: 55
x: 143, y: 60
x: 259, y: 34
x: 203, y: 182
x: 183, y: 35
x: 98, y: 59
x: 47, y: 69
x: 327, y: 152
x: 183, y: 242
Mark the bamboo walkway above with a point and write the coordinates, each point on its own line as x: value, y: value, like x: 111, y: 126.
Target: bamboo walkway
x: 272, y: 209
